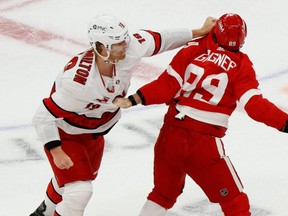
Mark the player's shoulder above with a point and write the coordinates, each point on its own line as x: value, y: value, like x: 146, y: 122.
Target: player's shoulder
x: 196, y: 44
x: 244, y: 59
x: 192, y: 48
x: 75, y: 61
x: 78, y: 70
x: 141, y: 37
x: 141, y: 44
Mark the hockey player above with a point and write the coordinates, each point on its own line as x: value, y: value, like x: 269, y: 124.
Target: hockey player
x: 202, y: 85
x: 72, y: 121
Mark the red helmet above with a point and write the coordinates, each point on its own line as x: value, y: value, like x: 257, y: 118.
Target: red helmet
x: 230, y: 31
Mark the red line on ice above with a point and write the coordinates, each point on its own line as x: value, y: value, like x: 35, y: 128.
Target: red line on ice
x: 19, y: 5
x: 33, y: 36
x: 36, y: 37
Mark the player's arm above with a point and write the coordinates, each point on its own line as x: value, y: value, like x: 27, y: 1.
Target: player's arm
x: 251, y: 98
x: 172, y: 39
x: 45, y: 122
x: 47, y: 130
x: 163, y: 89
x: 149, y: 43
x: 159, y: 91
x: 262, y: 110
x: 46, y: 127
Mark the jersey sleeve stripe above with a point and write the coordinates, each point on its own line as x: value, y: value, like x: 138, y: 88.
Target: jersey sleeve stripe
x: 157, y: 40
x: 79, y: 121
x: 176, y: 75
x: 247, y: 95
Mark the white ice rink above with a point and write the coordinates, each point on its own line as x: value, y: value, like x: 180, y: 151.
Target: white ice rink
x: 38, y: 37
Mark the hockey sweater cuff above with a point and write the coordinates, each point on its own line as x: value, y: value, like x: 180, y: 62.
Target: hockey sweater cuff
x: 52, y: 144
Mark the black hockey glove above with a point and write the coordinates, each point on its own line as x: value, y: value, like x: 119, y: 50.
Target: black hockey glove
x: 285, y: 127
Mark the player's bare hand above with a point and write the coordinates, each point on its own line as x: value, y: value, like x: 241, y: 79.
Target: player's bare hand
x: 208, y: 24
x: 206, y: 28
x: 122, y: 102
x: 61, y: 159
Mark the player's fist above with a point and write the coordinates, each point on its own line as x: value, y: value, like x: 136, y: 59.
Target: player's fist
x: 206, y: 28
x: 209, y: 24
x: 122, y: 102
x: 61, y: 159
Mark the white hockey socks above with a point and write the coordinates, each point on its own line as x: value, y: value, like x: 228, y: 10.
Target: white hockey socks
x: 151, y: 208
x: 75, y: 198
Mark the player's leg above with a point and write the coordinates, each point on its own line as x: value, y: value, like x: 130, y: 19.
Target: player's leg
x: 169, y: 178
x: 238, y: 206
x: 86, y: 152
x: 75, y: 198
x: 213, y: 171
x: 53, y: 196
x: 77, y: 180
x: 151, y: 208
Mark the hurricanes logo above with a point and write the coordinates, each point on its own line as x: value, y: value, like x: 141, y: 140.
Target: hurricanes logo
x: 104, y: 100
x: 92, y: 106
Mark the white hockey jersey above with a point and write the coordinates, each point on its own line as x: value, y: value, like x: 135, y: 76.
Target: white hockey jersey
x: 81, y: 99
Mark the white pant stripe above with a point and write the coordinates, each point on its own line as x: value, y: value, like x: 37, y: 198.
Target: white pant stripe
x: 229, y: 163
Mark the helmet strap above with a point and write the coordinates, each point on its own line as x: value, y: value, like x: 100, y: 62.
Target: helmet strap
x: 105, y: 58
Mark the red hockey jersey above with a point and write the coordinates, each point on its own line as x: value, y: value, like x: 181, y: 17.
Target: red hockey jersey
x: 203, y: 85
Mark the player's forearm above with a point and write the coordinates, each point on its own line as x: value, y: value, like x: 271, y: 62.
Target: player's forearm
x: 197, y: 33
x: 174, y: 38
x: 46, y: 127
x: 262, y: 110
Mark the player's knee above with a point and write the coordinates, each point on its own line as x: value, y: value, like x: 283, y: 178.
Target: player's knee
x: 238, y: 206
x: 78, y: 193
x: 75, y: 198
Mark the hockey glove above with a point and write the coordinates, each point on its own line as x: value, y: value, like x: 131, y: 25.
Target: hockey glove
x: 285, y: 127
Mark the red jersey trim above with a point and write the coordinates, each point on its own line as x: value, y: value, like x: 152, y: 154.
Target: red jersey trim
x: 80, y: 121
x: 157, y: 40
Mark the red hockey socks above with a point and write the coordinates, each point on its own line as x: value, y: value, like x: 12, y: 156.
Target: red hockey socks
x: 238, y: 206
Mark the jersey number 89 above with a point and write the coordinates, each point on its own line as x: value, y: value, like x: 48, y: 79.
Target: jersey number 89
x: 209, y: 89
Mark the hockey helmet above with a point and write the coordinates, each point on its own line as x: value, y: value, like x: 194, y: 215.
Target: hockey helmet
x: 107, y: 30
x: 230, y: 31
